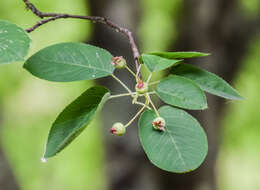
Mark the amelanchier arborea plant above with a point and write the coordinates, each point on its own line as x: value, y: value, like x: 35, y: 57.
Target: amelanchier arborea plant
x: 172, y: 139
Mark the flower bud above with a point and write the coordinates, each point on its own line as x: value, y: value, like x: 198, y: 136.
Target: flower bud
x: 118, y: 62
x: 159, y: 124
x: 141, y: 87
x: 118, y: 129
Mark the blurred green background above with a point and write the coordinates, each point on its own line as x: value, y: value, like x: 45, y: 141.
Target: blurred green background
x: 30, y: 105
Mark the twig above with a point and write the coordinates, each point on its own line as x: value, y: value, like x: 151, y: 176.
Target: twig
x: 38, y: 24
x: 98, y: 19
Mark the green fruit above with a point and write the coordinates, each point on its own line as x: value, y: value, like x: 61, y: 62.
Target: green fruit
x: 159, y: 124
x: 141, y: 87
x: 118, y: 129
x: 119, y: 62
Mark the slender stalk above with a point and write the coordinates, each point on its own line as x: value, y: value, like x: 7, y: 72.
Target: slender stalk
x: 130, y: 71
x: 150, y: 93
x: 138, y: 73
x: 142, y: 104
x: 149, y: 78
x: 122, y: 95
x: 153, y: 83
x: 130, y: 94
x: 137, y: 114
x: 122, y: 84
x: 151, y: 102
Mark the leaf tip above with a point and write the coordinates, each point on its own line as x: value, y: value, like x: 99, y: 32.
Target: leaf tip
x: 25, y: 65
x: 204, y: 107
x: 236, y: 97
x: 206, y: 54
x: 239, y: 97
x: 44, y: 160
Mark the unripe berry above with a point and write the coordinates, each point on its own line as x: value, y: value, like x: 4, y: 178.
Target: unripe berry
x: 119, y: 62
x: 159, y: 124
x: 118, y: 129
x: 141, y: 87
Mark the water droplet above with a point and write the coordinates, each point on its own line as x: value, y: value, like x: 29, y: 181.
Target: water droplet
x: 117, y: 30
x: 43, y: 160
x: 93, y: 75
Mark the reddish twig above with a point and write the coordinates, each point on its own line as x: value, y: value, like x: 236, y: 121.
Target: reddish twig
x: 95, y: 19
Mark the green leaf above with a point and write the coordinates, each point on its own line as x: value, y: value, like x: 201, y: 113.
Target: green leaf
x: 14, y: 43
x: 66, y: 62
x: 180, y: 55
x: 74, y: 119
x: 182, y: 147
x: 181, y: 92
x: 207, y: 81
x: 156, y: 63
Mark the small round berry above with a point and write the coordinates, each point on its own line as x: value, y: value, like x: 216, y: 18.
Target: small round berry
x: 118, y: 62
x: 118, y: 129
x: 141, y: 87
x: 159, y: 124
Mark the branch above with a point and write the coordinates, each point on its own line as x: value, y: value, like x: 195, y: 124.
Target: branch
x: 94, y: 19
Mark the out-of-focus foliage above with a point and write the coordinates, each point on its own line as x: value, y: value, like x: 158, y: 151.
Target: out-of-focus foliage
x: 159, y: 20
x: 29, y: 106
x: 240, y: 153
x: 250, y: 7
x: 238, y: 164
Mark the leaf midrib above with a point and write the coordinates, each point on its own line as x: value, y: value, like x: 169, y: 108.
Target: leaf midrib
x: 178, y: 97
x: 176, y: 147
x: 78, y: 65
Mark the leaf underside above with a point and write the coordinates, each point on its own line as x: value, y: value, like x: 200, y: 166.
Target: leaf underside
x: 74, y: 119
x: 181, y: 148
x: 156, y: 63
x: 180, y: 55
x: 67, y: 62
x: 14, y: 43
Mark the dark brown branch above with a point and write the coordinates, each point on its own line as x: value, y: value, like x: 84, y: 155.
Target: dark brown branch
x: 95, y: 19
x: 38, y: 24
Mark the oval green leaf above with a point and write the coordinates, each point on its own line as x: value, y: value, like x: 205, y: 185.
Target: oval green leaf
x: 182, y: 147
x: 156, y: 63
x: 67, y: 62
x: 181, y: 92
x: 181, y: 54
x: 74, y: 119
x: 207, y: 81
x: 14, y: 43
